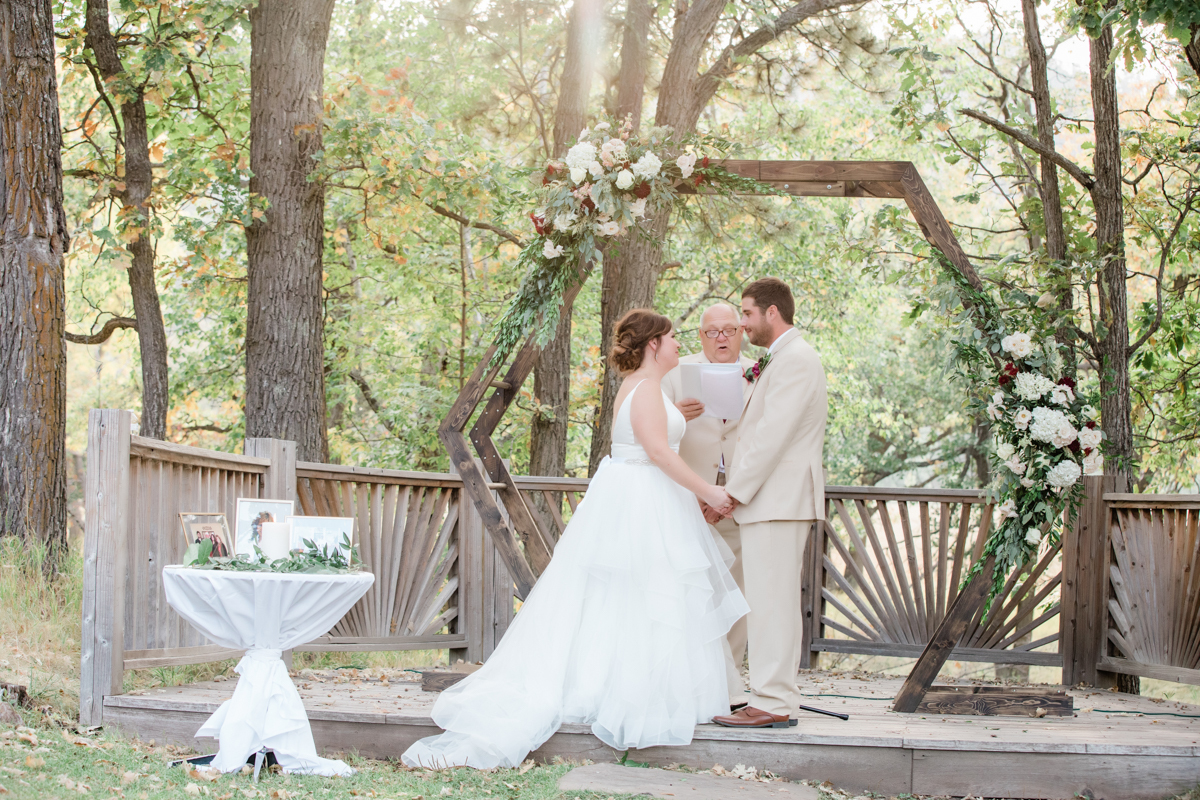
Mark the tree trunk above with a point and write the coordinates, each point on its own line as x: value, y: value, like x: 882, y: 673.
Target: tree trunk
x: 635, y: 54
x: 552, y: 372
x: 285, y: 321
x: 1191, y: 51
x: 139, y: 181
x: 33, y: 238
x: 1113, y: 339
x: 631, y: 275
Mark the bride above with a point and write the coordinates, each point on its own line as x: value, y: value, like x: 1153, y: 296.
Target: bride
x: 625, y: 629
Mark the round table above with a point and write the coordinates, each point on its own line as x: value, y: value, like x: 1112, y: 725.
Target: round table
x: 264, y: 613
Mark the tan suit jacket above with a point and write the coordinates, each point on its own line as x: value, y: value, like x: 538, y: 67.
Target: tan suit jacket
x: 777, y: 472
x: 706, y: 438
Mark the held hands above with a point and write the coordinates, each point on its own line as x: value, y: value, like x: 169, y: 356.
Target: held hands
x: 690, y: 408
x: 717, y: 501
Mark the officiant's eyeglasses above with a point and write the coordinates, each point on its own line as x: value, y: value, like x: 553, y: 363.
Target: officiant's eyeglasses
x: 728, y: 333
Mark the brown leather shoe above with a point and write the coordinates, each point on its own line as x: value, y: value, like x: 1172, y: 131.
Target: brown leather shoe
x: 751, y: 717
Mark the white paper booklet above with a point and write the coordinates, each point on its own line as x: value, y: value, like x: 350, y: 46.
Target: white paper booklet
x: 718, y: 386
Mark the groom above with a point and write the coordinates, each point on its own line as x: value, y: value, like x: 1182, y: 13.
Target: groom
x: 777, y: 481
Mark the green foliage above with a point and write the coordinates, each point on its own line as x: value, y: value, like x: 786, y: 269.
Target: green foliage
x: 310, y: 561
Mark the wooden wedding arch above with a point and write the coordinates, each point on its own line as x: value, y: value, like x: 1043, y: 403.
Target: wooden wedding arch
x: 514, y: 525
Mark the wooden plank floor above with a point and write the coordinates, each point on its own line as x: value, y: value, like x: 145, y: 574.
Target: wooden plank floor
x: 1115, y: 746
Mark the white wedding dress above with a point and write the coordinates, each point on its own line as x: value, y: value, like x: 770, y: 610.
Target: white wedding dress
x: 624, y: 630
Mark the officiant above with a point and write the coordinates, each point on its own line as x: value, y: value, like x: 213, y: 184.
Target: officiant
x: 707, y: 447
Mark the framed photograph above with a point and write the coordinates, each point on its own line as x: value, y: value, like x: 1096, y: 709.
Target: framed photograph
x: 201, y: 525
x: 251, y: 514
x: 324, y: 532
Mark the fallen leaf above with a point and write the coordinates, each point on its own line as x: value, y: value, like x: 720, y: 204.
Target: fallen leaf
x: 192, y: 789
x: 528, y: 765
x: 35, y: 762
x: 129, y: 777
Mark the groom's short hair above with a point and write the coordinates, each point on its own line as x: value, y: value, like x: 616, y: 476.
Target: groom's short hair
x: 767, y: 292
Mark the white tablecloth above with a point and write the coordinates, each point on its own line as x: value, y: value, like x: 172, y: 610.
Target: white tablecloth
x: 264, y: 613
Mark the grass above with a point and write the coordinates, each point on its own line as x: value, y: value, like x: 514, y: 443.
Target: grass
x: 51, y: 761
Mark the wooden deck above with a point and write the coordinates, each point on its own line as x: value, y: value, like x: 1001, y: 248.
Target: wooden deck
x: 1115, y: 746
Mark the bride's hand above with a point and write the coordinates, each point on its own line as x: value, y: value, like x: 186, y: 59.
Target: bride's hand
x: 719, y: 499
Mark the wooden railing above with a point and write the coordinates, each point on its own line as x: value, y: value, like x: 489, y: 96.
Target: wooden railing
x: 1123, y: 595
x: 887, y: 563
x: 1153, y: 571
x: 438, y: 582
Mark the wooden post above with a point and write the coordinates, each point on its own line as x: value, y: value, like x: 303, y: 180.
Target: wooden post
x: 279, y: 481
x: 812, y: 578
x: 1084, y: 615
x: 470, y: 581
x: 953, y: 626
x: 102, y: 639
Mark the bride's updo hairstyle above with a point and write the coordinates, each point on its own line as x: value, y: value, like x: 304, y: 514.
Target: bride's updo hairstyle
x: 635, y: 330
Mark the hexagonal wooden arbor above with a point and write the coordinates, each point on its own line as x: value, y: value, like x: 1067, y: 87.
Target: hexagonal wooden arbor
x: 865, y: 179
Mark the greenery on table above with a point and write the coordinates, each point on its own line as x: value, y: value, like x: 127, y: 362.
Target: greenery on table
x: 310, y: 561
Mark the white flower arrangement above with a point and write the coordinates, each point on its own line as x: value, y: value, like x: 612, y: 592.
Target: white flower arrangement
x: 1005, y: 451
x: 606, y: 184
x: 1090, y: 438
x: 1032, y: 385
x: 1007, y: 509
x: 1046, y: 424
x: 1063, y: 474
x: 1021, y: 419
x: 1033, y: 537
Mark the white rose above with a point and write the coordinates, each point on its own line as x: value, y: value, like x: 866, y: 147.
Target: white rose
x: 564, y: 221
x: 1021, y: 419
x: 1005, y: 451
x: 1063, y: 474
x: 1093, y: 463
x: 1090, y: 438
x: 1027, y: 482
x: 1007, y: 509
x: 647, y: 166
x: 1046, y: 300
x: 551, y: 250
x: 686, y: 164
x: 595, y: 169
x: 624, y: 179
x: 1089, y: 412
x: 1062, y: 395
x: 578, y: 174
x: 1018, y: 344
x: 609, y: 228
x: 1015, y: 466
x: 1064, y: 436
x: 1031, y: 385
x: 638, y: 207
x: 602, y: 126
x: 1033, y: 537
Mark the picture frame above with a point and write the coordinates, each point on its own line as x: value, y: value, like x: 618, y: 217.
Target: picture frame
x: 251, y: 513
x: 322, y: 532
x: 200, y: 525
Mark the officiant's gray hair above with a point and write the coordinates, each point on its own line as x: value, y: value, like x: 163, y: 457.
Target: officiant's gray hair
x: 732, y: 311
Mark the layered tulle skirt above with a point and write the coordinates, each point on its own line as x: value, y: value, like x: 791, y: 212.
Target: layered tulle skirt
x: 624, y: 632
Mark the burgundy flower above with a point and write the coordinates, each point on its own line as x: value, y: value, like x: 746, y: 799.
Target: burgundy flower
x: 1091, y: 424
x: 1068, y: 382
x: 587, y: 204
x: 1074, y: 446
x: 642, y: 190
x: 1003, y: 380
x: 704, y: 161
x: 699, y: 178
x: 539, y: 223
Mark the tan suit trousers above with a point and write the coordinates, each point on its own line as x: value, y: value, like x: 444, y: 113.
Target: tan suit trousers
x: 727, y: 531
x: 772, y: 560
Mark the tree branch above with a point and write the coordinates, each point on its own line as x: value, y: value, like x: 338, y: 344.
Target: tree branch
x: 1158, y: 281
x: 365, y: 388
x: 483, y: 226
x: 1085, y: 180
x: 99, y: 338
x: 726, y: 63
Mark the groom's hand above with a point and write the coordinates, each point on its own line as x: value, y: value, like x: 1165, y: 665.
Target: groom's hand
x: 711, y: 515
x: 690, y: 408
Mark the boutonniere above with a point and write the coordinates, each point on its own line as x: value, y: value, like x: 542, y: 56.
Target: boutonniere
x: 751, y: 374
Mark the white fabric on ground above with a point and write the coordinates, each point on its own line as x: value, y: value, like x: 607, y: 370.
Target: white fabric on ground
x: 264, y: 613
x: 624, y: 631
